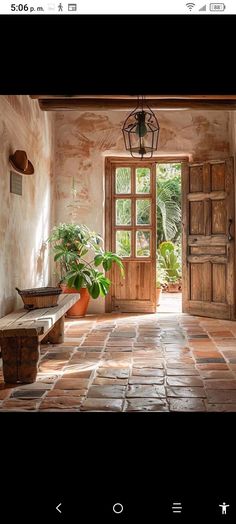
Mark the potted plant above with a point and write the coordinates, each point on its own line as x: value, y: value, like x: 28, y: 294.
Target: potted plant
x: 169, y: 260
x: 160, y: 283
x: 80, y: 257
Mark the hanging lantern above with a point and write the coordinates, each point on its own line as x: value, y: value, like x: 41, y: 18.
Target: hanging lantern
x: 141, y: 131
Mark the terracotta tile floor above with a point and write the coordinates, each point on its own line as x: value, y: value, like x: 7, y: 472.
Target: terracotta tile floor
x: 129, y: 362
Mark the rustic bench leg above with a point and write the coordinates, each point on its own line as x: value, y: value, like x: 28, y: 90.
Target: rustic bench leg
x: 20, y: 357
x: 56, y: 335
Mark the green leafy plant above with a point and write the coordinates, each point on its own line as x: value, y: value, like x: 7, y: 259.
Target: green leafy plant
x: 73, y: 246
x: 168, y: 259
x: 168, y: 202
x: 161, y: 278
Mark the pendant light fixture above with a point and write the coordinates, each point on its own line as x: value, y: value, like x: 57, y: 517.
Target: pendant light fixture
x: 141, y: 131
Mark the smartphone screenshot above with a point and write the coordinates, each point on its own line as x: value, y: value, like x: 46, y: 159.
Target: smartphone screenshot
x: 117, y: 262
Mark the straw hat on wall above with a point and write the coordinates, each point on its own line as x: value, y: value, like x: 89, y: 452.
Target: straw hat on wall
x: 20, y: 163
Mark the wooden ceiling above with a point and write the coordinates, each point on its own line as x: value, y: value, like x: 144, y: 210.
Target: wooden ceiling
x: 128, y: 102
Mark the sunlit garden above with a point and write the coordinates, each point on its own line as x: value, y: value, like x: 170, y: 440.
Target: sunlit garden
x: 169, y: 265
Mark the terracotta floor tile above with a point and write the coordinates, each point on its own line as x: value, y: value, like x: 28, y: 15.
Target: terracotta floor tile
x: 123, y: 349
x: 147, y: 372
x: 180, y: 365
x: 145, y: 391
x: 151, y: 364
x: 91, y: 343
x: 5, y: 393
x: 184, y: 381
x: 217, y: 396
x: 226, y: 343
x: 183, y: 392
x: 70, y: 383
x: 20, y: 405
x: 74, y: 374
x: 113, y: 372
x: 183, y: 372
x: 211, y: 366
x: 60, y: 403
x: 146, y: 380
x: 205, y: 374
x: 100, y: 381
x: 211, y: 360
x: 119, y: 343
x: 221, y: 407
x: 106, y: 392
x: 68, y: 375
x: 219, y: 384
x: 114, y: 363
x: 220, y: 333
x: 187, y: 404
x: 146, y: 404
x: 69, y: 341
x: 55, y: 392
x: 206, y: 354
x: 95, y: 404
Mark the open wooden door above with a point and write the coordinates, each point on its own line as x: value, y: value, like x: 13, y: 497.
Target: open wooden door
x: 131, y: 233
x: 208, y: 239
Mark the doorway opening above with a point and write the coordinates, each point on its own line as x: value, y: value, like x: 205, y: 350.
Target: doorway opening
x: 169, y: 237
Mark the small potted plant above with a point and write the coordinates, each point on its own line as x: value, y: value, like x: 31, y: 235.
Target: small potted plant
x: 160, y: 283
x: 169, y: 260
x: 81, y: 261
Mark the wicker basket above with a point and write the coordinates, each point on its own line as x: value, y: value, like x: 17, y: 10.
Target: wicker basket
x: 39, y: 297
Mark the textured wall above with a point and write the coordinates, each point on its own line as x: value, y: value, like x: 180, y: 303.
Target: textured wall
x: 84, y: 139
x: 25, y: 221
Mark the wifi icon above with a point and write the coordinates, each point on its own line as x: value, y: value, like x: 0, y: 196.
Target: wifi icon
x: 190, y: 6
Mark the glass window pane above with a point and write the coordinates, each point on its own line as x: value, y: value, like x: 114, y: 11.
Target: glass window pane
x: 123, y: 180
x: 143, y: 239
x: 123, y: 243
x: 143, y: 180
x: 123, y: 212
x: 143, y: 211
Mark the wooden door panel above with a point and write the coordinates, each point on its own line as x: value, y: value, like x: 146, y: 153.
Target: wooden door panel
x: 200, y: 281
x: 218, y: 177
x: 219, y: 217
x: 219, y: 275
x: 201, y: 309
x: 196, y: 179
x: 125, y: 290
x: 208, y: 250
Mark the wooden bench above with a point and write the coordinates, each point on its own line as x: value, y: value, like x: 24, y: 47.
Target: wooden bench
x: 21, y: 333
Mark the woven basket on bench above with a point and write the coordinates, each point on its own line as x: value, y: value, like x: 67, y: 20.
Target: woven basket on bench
x: 39, y: 297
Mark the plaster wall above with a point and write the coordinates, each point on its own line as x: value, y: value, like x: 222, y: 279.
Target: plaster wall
x: 25, y: 221
x: 84, y: 139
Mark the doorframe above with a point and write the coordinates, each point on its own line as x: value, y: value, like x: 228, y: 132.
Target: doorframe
x: 109, y: 161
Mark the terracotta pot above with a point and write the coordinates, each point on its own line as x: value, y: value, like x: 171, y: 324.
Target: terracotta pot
x: 158, y: 295
x: 79, y: 309
x: 173, y: 287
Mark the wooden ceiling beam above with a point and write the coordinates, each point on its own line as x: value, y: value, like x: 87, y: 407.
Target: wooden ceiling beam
x: 133, y: 97
x: 97, y: 104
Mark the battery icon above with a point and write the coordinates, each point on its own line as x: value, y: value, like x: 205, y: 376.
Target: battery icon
x: 217, y: 7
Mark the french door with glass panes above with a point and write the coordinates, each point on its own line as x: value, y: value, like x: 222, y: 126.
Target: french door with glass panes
x: 131, y: 233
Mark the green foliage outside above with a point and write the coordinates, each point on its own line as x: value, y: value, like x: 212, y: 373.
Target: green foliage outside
x: 169, y: 203
x: 169, y: 263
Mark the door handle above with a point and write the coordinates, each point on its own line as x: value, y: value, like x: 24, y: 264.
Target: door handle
x: 230, y: 237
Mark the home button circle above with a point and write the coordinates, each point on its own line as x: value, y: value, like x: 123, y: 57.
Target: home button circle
x: 118, y: 508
